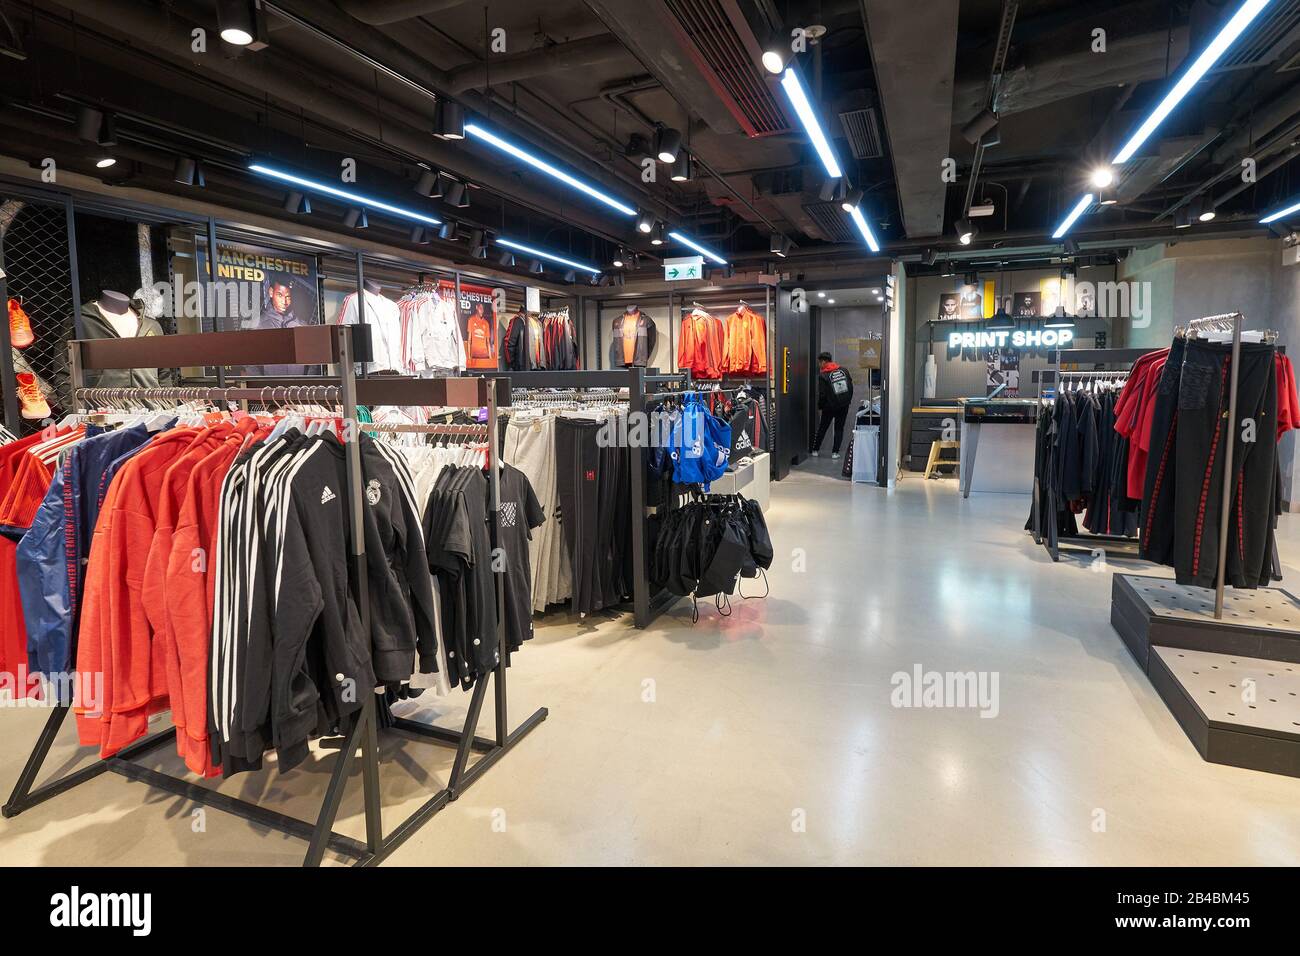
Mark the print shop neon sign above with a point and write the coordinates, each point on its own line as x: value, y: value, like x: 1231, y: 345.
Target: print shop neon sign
x: 1019, y: 339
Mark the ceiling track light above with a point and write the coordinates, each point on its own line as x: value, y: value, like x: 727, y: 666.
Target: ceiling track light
x: 507, y: 259
x: 487, y: 136
x: 430, y: 185
x: 683, y: 169
x: 779, y: 245
x: 620, y: 258
x: 456, y: 195
x: 1102, y: 177
x: 242, y: 23
x: 356, y: 218
x: 668, y: 143
x: 104, y: 162
x: 852, y: 200
x: 645, y: 222
x: 448, y: 120
x: 659, y: 235
x: 297, y: 203
x: 1071, y: 247
x: 449, y: 231
x: 1202, y: 209
x: 834, y: 190
x: 965, y: 231
x: 1211, y: 55
x: 536, y: 267
x: 1182, y: 217
x: 188, y: 172
x: 984, y: 122
x: 775, y: 58
x: 94, y: 126
x: 419, y: 236
x: 571, y: 275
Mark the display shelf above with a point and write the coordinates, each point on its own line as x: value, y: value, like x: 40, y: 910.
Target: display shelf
x: 1201, y: 666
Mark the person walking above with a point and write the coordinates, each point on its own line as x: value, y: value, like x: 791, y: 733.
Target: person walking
x: 834, y: 399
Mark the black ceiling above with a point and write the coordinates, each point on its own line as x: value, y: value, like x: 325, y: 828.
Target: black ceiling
x: 587, y: 82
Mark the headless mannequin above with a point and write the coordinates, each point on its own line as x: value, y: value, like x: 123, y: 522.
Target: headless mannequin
x: 371, y: 286
x: 116, y: 309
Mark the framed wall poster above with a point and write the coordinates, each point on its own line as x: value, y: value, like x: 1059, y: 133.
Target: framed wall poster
x: 1002, y: 367
x: 972, y: 305
x: 1028, y: 304
x: 949, y: 307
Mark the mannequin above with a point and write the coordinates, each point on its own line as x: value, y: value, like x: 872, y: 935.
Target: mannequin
x: 116, y: 310
x: 371, y: 286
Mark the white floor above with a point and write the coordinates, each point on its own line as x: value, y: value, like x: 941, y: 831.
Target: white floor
x: 770, y: 736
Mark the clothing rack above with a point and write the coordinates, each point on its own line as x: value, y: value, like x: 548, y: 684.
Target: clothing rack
x: 308, y: 345
x: 645, y: 605
x: 1043, y: 527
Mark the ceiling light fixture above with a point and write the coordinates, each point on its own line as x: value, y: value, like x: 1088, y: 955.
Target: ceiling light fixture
x: 821, y: 295
x: 1202, y: 209
x: 356, y: 219
x: 1280, y: 214
x: 419, y: 236
x: 188, y: 172
x: 571, y: 275
x: 863, y: 227
x: 486, y: 136
x: 237, y: 21
x: 1070, y: 247
x: 456, y: 195
x: 1244, y: 16
x: 507, y: 259
x: 692, y: 244
x: 449, y: 231
x: 449, y: 120
x: 984, y: 122
x: 645, y: 222
x: 830, y: 301
x: 965, y: 231
x: 660, y: 234
x: 1102, y: 177
x: 430, y: 185
x: 1079, y: 209
x: 620, y: 257
x: 779, y: 245
x: 536, y: 267
x: 852, y: 200
x: 344, y: 194
x: 803, y: 108
x: 547, y: 256
x: 105, y: 162
x: 297, y: 203
x: 1182, y: 218
x: 683, y: 169
x: 774, y: 61
x: 94, y: 126
x: 668, y: 142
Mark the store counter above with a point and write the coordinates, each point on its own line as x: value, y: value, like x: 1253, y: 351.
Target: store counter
x: 752, y: 480
x: 997, y: 445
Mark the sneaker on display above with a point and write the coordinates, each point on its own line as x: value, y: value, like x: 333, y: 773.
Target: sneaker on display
x: 20, y: 326
x: 35, y: 407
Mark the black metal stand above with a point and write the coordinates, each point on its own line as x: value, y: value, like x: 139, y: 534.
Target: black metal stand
x: 309, y: 346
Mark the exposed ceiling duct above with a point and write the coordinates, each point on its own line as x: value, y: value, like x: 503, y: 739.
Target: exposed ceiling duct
x: 914, y: 57
x: 532, y: 63
x: 1273, y: 34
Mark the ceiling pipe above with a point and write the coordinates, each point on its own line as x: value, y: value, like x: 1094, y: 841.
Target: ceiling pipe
x: 401, y: 129
x: 533, y: 63
x: 379, y: 12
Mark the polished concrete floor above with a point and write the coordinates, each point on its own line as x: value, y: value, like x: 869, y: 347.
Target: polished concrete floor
x: 769, y: 737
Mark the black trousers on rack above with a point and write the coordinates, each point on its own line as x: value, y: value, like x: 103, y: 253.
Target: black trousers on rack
x: 1157, y: 536
x: 1200, y: 444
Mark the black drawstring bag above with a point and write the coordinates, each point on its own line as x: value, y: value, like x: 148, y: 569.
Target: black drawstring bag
x: 760, y: 542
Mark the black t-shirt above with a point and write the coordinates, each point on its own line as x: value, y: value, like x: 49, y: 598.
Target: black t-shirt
x: 520, y: 513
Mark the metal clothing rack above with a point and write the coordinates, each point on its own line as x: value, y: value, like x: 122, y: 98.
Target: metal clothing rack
x: 1043, y: 527
x: 646, y: 606
x: 310, y: 345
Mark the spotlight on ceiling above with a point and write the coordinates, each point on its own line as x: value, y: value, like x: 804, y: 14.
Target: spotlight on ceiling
x: 456, y: 195
x: 449, y: 120
x: 430, y: 184
x: 355, y: 218
x: 1107, y: 197
x: 645, y: 222
x: 450, y: 231
x: 830, y: 301
x: 620, y: 258
x: 1182, y: 218
x: 929, y: 256
x: 683, y: 169
x: 571, y: 275
x: 419, y: 236
x: 1071, y: 247
x: 852, y: 200
x: 241, y: 23
x: 536, y: 267
x: 668, y: 142
x: 105, y: 162
x: 834, y: 190
x: 1102, y: 177
x: 659, y: 235
x: 187, y: 172
x: 821, y: 295
x: 507, y: 259
x: 774, y: 60
x: 965, y: 231
x: 779, y: 245
x: 297, y: 203
x: 983, y: 122
x: 1202, y: 209
x: 477, y: 247
x: 96, y: 127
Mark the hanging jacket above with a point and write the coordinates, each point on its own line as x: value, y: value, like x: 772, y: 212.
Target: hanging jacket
x: 525, y: 343
x: 746, y: 343
x: 384, y: 318
x: 701, y: 347
x: 433, y: 340
x: 632, y: 335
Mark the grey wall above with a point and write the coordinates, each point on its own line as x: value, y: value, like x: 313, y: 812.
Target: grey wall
x: 841, y: 329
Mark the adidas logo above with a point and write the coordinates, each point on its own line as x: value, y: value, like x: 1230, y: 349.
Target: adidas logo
x: 744, y: 441
x: 327, y: 495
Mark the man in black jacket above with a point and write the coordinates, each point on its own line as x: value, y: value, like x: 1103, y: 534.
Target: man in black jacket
x: 834, y: 398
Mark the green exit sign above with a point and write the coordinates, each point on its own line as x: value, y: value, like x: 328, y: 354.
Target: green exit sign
x: 684, y: 268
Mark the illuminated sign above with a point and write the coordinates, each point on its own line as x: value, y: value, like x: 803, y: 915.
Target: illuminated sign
x: 1018, y: 339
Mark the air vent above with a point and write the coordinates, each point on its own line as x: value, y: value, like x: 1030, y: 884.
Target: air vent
x: 830, y: 219
x: 713, y: 28
x: 1271, y: 37
x: 863, y: 133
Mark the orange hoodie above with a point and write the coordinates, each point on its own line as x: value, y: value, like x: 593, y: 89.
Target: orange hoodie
x: 701, y: 346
